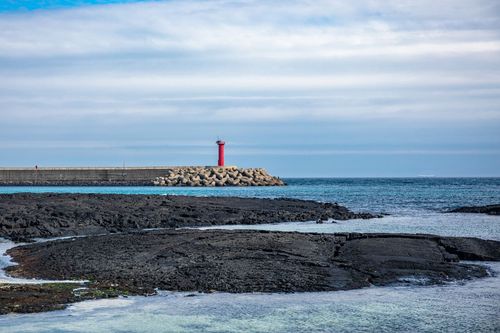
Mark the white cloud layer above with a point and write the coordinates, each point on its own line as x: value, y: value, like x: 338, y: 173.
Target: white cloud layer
x: 119, y: 58
x: 402, y: 79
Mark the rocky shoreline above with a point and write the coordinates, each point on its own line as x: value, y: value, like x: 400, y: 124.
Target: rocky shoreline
x: 26, y: 216
x: 130, y: 246
x: 244, y: 261
x: 489, y: 209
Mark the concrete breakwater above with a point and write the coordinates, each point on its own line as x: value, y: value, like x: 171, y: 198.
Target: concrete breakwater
x: 136, y: 176
x: 81, y: 176
x: 217, y: 176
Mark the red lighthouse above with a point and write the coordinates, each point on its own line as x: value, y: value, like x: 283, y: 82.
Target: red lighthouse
x: 221, y: 152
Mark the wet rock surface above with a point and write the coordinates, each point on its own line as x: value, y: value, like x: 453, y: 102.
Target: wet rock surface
x: 25, y: 216
x: 253, y: 261
x: 16, y: 298
x: 490, y: 210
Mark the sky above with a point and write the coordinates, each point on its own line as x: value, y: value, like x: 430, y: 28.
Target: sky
x: 313, y: 88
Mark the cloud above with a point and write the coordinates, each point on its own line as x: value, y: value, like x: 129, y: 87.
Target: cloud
x: 204, y: 68
x: 120, y: 58
x: 400, y: 95
x: 298, y: 29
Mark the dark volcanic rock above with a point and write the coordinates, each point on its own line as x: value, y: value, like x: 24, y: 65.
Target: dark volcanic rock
x: 25, y: 216
x: 34, y: 298
x: 253, y: 261
x: 470, y: 249
x: 490, y: 210
x: 28, y: 298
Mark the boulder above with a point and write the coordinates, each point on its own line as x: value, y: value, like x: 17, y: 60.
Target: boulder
x: 217, y: 176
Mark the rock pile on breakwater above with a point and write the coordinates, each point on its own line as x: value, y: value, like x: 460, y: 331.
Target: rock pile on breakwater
x: 217, y: 176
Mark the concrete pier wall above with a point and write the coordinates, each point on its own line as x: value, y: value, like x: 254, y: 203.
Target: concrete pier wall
x: 81, y: 176
x: 134, y: 176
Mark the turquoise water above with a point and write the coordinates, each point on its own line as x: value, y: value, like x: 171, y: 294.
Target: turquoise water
x: 416, y: 205
x: 391, y: 195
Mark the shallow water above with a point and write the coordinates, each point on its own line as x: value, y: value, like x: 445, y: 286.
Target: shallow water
x: 473, y: 306
x: 459, y: 225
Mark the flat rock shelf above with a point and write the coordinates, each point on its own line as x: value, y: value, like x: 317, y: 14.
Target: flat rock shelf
x: 243, y: 261
x: 26, y: 216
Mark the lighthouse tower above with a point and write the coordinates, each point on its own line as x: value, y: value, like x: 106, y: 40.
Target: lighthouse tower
x: 221, y: 152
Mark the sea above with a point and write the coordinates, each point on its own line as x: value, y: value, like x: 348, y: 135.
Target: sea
x: 413, y: 205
